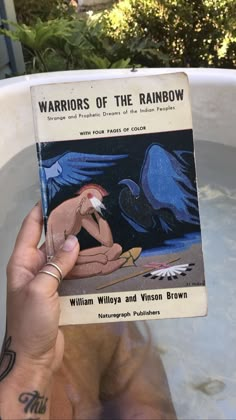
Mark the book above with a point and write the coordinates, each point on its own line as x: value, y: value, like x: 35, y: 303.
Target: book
x: 117, y: 169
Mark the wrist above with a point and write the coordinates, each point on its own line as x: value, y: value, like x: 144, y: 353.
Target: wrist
x: 25, y: 393
x: 27, y: 374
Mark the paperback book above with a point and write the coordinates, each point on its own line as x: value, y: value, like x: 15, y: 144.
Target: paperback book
x: 117, y: 169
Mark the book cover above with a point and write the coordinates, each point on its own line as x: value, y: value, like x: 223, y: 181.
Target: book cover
x: 116, y: 164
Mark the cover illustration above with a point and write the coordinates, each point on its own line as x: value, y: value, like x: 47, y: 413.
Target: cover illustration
x: 116, y: 162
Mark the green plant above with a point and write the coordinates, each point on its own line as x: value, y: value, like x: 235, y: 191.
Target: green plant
x: 41, y: 40
x: 190, y: 33
x: 63, y: 44
x: 151, y: 33
x: 138, y: 26
x: 30, y: 11
x: 199, y: 30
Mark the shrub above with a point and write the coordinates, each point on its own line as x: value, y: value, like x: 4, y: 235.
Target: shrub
x: 140, y: 27
x: 151, y: 33
x: 30, y: 11
x: 63, y: 44
x: 191, y: 33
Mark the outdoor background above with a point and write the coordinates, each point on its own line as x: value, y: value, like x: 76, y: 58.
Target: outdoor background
x: 66, y: 35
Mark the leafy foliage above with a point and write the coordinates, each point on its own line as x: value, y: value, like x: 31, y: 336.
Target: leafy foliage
x: 135, y: 25
x: 30, y: 11
x: 63, y: 44
x: 191, y: 33
x: 151, y: 33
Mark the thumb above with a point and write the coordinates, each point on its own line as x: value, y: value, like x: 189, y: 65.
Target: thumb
x: 65, y: 259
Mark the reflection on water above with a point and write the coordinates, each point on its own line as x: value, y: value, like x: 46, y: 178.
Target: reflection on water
x: 198, y: 354
x: 211, y: 387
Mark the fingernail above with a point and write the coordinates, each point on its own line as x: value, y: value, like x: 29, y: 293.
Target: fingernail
x: 70, y: 243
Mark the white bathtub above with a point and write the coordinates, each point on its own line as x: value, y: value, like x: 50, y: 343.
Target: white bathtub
x: 198, y: 354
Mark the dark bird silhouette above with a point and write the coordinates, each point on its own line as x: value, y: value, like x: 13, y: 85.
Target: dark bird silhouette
x: 164, y: 195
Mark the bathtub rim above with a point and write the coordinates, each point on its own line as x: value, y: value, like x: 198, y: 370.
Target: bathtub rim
x: 212, y: 91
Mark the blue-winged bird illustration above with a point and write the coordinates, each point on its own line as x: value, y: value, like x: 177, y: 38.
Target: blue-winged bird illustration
x: 72, y: 169
x: 164, y: 195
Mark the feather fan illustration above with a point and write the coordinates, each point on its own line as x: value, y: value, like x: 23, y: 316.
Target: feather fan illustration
x: 171, y: 272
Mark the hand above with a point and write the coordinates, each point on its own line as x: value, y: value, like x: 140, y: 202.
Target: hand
x: 97, y: 215
x: 32, y: 300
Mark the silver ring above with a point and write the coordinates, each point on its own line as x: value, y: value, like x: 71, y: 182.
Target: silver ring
x: 51, y: 274
x: 57, y: 268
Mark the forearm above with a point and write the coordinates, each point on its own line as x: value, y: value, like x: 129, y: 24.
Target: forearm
x: 25, y: 394
x: 34, y: 345
x: 104, y: 231
x: 98, y: 228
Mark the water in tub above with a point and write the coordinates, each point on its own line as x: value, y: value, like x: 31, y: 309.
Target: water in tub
x: 198, y: 354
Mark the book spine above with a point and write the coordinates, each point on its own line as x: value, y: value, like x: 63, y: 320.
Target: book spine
x: 43, y: 186
x: 42, y: 176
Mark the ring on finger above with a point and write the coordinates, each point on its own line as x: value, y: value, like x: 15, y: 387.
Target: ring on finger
x: 51, y: 274
x: 57, y: 268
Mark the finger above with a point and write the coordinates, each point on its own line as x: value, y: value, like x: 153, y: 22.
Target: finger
x: 65, y: 259
x: 31, y: 230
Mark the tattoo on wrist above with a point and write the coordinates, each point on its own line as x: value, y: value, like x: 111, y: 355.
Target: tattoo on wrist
x: 33, y: 402
x: 7, y: 358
